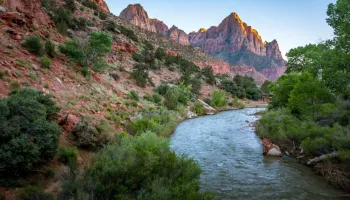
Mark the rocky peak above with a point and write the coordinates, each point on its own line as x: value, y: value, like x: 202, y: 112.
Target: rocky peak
x: 136, y: 15
x: 178, y: 35
x: 273, y: 50
x: 102, y: 5
x: 161, y: 27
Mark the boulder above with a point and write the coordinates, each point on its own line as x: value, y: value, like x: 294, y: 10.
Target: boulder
x: 208, y: 109
x: 190, y: 114
x: 270, y: 149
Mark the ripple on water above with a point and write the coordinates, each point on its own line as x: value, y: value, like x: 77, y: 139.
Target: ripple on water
x: 230, y: 155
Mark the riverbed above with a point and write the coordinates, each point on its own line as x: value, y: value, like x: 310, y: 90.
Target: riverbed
x: 230, y: 155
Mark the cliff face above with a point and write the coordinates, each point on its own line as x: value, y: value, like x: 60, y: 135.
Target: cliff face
x: 178, y: 35
x: 233, y: 35
x: 31, y: 10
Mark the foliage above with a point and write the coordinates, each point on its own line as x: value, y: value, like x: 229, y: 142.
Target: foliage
x: 100, y: 66
x: 198, y: 108
x: 158, y: 120
x: 138, y: 57
x: 162, y: 89
x: 242, y: 87
x: 133, y: 95
x: 70, y: 5
x: 219, y: 98
x: 50, y: 48
x: 237, y: 104
x: 110, y: 26
x: 68, y: 155
x: 140, y: 74
x: 209, y: 75
x: 160, y: 54
x: 103, y: 15
x: 33, y: 45
x: 265, y: 89
x: 45, y: 62
x: 90, y: 52
x: 90, y: 136
x: 32, y: 192
x: 128, y: 33
x: 143, y: 167
x: 27, y: 137
x: 196, y: 85
x: 90, y: 4
x: 170, y: 100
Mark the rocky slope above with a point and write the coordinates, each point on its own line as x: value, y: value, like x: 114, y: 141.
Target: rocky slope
x: 102, y: 5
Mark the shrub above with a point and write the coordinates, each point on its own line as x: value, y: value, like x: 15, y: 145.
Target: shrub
x: 183, y: 93
x: 33, y: 45
x: 128, y: 33
x: 140, y: 74
x: 26, y: 136
x: 160, y: 53
x: 15, y: 86
x: 90, y: 136
x: 209, y: 75
x: 2, y: 75
x: 198, y: 108
x: 50, y: 48
x: 138, y: 57
x: 110, y: 26
x: 219, y: 98
x: 133, y: 95
x: 148, y: 98
x: 33, y: 193
x: 45, y: 62
x: 162, y: 89
x: 103, y: 15
x: 68, y: 155
x: 90, y: 4
x: 236, y: 103
x: 157, y: 98
x: 170, y: 100
x: 196, y: 86
x: 143, y: 167
x: 70, y: 5
x: 100, y: 66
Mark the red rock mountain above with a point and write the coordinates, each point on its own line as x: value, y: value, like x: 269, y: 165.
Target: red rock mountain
x: 232, y: 41
x: 233, y: 35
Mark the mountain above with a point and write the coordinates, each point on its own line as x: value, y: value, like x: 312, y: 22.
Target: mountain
x: 233, y: 41
x: 102, y: 5
x: 137, y: 16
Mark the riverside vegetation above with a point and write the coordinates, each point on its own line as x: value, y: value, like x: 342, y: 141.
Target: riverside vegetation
x: 123, y: 138
x: 309, y: 114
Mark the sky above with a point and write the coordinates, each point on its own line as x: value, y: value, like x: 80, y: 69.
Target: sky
x: 292, y: 23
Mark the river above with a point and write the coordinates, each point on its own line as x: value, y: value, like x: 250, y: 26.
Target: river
x: 230, y: 155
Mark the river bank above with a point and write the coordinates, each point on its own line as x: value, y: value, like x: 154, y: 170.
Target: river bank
x: 337, y: 174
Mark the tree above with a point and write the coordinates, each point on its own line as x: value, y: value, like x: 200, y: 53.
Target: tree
x: 310, y: 97
x: 140, y: 74
x: 27, y: 137
x: 209, y: 75
x: 219, y: 98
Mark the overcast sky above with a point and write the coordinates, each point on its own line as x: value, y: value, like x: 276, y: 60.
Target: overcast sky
x: 291, y: 22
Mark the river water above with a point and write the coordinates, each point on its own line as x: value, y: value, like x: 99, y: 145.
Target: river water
x: 230, y: 155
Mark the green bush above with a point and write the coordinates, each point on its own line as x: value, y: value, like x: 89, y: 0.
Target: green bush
x: 198, y: 108
x: 70, y: 5
x: 110, y: 26
x: 140, y: 74
x: 100, y: 66
x: 50, y: 48
x: 2, y: 75
x: 157, y: 98
x: 162, y: 89
x: 160, y: 53
x: 90, y: 136
x: 68, y: 155
x: 196, y: 86
x: 90, y: 4
x: 128, y: 33
x: 138, y: 57
x: 133, y: 95
x: 170, y: 100
x: 103, y: 15
x: 15, y: 85
x: 27, y: 138
x: 33, y: 193
x: 219, y: 98
x: 33, y: 45
x: 45, y: 62
x: 209, y: 75
x: 238, y: 104
x: 207, y: 100
x: 143, y: 167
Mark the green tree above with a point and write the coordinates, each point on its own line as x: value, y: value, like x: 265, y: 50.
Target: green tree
x: 219, y: 98
x: 27, y: 138
x: 209, y: 75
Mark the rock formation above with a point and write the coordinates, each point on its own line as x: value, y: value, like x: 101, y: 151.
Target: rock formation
x: 102, y: 5
x: 178, y: 35
x: 270, y: 149
x: 233, y: 41
x: 31, y: 10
